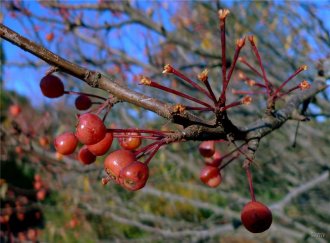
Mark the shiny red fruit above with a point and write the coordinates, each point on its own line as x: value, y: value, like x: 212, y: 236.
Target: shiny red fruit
x: 90, y: 129
x: 66, y: 143
x: 116, y: 161
x: 51, y: 86
x: 103, y: 146
x: 15, y: 110
x: 207, y: 148
x: 85, y: 156
x: 134, y: 176
x: 210, y: 176
x: 256, y: 217
x: 215, y: 160
x: 130, y: 143
x: 83, y: 102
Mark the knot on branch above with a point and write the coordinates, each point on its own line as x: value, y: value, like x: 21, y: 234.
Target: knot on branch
x: 92, y: 78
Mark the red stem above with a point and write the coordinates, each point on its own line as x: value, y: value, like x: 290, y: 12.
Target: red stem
x: 250, y: 66
x: 256, y: 52
x: 286, y: 81
x: 169, y: 90
x: 222, y: 97
x: 248, y: 92
x: 147, y: 161
x: 116, y: 130
x: 236, y: 103
x: 232, y: 67
x: 209, y: 88
x: 188, y: 80
x: 249, y: 176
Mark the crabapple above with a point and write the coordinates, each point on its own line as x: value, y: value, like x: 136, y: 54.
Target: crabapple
x: 215, y: 160
x: 210, y: 176
x: 130, y: 142
x: 50, y: 36
x: 66, y: 143
x: 101, y: 147
x: 90, y: 129
x: 85, y: 156
x: 116, y: 161
x: 15, y: 110
x: 256, y: 217
x: 43, y: 141
x: 83, y: 102
x: 51, y: 86
x: 41, y: 194
x: 207, y: 148
x: 134, y: 176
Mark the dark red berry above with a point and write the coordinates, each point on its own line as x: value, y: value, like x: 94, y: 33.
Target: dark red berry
x: 256, y: 217
x: 83, y: 102
x: 116, y: 161
x: 207, y: 148
x: 130, y: 142
x: 66, y: 143
x: 210, y: 176
x: 51, y: 86
x: 90, y: 129
x: 85, y: 156
x: 134, y: 176
x: 103, y: 146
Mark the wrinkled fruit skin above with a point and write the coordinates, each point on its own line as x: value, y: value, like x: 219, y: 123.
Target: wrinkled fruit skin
x: 83, y: 102
x: 207, y: 148
x: 85, y: 156
x: 101, y: 147
x: 90, y: 129
x: 256, y: 217
x: 66, y: 143
x: 210, y: 176
x: 134, y: 176
x: 116, y: 161
x: 51, y: 86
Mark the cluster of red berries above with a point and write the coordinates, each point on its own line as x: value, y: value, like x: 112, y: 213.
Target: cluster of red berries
x: 124, y: 167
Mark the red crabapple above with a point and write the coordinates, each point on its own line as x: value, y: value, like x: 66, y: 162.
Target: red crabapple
x: 50, y: 36
x: 15, y: 110
x: 90, y: 129
x: 83, y: 102
x: 41, y: 194
x: 51, y: 86
x: 256, y: 217
x: 134, y: 176
x: 116, y: 161
x: 130, y: 143
x: 43, y: 141
x: 207, y: 148
x: 66, y: 143
x: 101, y: 147
x: 215, y: 160
x: 210, y: 176
x: 85, y: 156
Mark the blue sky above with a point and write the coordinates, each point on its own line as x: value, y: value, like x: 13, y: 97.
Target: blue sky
x: 25, y: 80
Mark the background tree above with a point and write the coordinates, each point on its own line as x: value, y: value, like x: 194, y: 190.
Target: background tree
x: 123, y: 41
